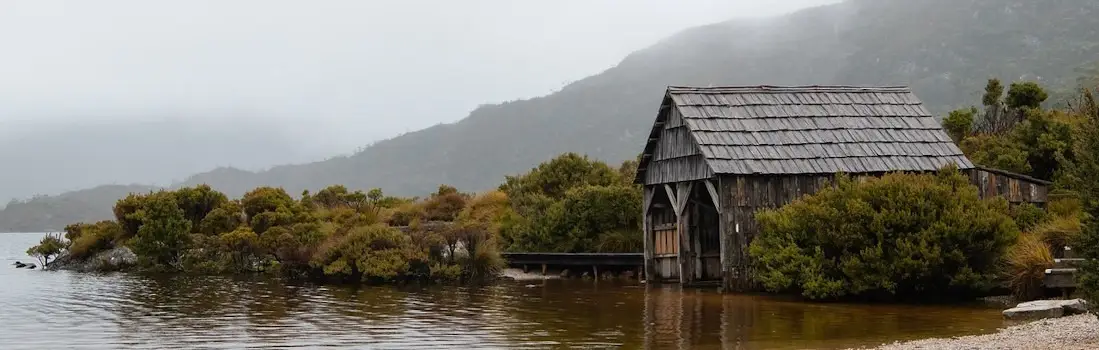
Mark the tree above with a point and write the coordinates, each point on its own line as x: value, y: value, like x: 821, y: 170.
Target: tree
x: 163, y: 233
x: 1083, y: 178
x: 49, y: 247
x: 1025, y: 95
x: 994, y: 91
x: 899, y: 236
x: 959, y: 124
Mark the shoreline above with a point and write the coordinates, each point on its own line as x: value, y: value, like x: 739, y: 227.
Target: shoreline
x: 1077, y: 332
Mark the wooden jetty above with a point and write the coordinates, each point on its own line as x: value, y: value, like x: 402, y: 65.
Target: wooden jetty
x: 593, y: 262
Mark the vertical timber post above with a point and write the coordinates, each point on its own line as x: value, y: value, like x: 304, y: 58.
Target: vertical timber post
x: 683, y: 192
x: 715, y: 195
x: 647, y: 236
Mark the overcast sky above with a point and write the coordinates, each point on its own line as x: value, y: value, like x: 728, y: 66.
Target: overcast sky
x: 354, y: 70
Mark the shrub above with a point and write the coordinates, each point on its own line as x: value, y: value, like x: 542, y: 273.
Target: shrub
x: 1058, y: 231
x: 592, y: 217
x: 404, y: 214
x: 224, y: 218
x: 899, y: 236
x: 1025, y: 266
x: 445, y: 204
x: 86, y: 240
x: 241, y: 245
x: 369, y: 254
x: 1028, y: 215
x: 164, y: 232
x: 49, y: 247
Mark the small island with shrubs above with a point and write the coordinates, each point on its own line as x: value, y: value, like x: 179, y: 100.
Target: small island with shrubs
x: 568, y: 204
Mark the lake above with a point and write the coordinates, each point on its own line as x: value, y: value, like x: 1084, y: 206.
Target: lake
x: 64, y: 310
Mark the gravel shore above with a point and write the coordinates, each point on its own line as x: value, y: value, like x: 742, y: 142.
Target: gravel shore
x: 1067, y: 333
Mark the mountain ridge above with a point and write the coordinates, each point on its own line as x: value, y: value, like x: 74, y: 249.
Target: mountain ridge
x: 943, y: 50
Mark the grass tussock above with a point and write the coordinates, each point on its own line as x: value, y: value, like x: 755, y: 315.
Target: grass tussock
x: 1025, y: 265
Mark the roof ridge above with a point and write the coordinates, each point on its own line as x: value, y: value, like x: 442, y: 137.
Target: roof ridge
x: 787, y: 88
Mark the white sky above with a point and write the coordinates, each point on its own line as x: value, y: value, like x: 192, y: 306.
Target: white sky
x: 356, y: 71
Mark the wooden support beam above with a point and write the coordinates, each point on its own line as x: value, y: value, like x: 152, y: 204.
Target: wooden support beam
x: 648, y: 200
x: 713, y: 195
x: 683, y: 192
x: 672, y: 198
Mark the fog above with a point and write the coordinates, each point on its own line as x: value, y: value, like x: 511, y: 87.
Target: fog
x: 262, y: 82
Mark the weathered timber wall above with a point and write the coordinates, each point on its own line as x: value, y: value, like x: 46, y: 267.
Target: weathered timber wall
x: 1013, y: 187
x: 741, y: 197
x: 676, y: 157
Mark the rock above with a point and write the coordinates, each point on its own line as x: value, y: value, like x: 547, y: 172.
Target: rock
x: 111, y: 260
x: 628, y: 274
x: 565, y: 273
x: 1046, y: 309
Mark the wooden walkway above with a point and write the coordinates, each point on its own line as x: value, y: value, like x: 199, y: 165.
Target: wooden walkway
x: 577, y: 261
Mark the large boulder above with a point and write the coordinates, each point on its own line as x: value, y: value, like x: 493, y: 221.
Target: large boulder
x: 1046, y: 309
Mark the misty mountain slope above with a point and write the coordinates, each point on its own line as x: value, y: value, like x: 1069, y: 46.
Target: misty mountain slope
x: 52, y: 157
x: 944, y: 49
x: 54, y: 212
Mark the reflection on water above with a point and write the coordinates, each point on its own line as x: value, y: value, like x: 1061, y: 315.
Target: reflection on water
x: 53, y: 310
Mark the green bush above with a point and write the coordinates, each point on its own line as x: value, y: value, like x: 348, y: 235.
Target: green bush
x: 86, y: 240
x: 374, y: 253
x: 1027, y: 216
x: 593, y: 217
x: 163, y: 234
x: 900, y: 236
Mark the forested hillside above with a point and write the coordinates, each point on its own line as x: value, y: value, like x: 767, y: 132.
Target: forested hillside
x: 946, y: 50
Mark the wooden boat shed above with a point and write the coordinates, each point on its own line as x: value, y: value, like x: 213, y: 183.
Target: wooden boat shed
x: 716, y: 155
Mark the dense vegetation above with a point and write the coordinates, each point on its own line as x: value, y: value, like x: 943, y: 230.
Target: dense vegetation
x: 568, y: 204
x: 907, y: 235
x: 573, y: 204
x: 902, y: 235
x: 1084, y: 178
x: 944, y: 49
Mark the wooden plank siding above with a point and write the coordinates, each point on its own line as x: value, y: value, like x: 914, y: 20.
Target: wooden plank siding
x: 1014, y: 188
x: 741, y: 198
x: 676, y: 157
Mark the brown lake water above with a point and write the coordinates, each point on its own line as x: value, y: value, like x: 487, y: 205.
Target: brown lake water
x: 65, y: 310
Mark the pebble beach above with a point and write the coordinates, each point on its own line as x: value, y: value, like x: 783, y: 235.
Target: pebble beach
x: 1067, y: 333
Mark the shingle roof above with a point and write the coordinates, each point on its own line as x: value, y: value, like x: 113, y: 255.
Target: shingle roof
x: 814, y: 130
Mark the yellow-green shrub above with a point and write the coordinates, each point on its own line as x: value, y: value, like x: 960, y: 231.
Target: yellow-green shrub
x: 1025, y: 266
x: 899, y: 236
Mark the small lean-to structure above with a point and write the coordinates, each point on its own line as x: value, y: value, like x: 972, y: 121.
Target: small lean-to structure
x: 716, y: 155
